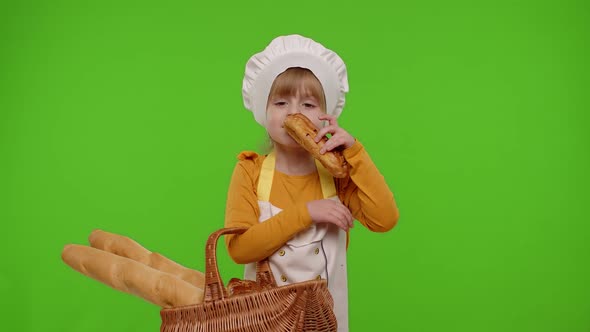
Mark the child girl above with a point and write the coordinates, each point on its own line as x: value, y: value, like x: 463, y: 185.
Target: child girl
x: 297, y: 214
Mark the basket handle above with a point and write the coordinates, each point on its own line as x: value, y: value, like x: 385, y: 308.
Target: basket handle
x: 214, y: 287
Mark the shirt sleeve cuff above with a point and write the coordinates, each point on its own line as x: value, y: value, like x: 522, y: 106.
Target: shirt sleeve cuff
x: 304, y: 217
x: 353, y: 151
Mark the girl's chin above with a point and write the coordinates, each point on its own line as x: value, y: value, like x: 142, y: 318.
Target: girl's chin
x: 283, y: 139
x: 289, y: 143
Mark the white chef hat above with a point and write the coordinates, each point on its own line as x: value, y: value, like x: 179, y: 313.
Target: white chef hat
x: 293, y: 51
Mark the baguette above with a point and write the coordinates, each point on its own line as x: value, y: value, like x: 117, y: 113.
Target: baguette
x: 238, y: 287
x: 126, y: 247
x: 303, y: 131
x: 132, y: 277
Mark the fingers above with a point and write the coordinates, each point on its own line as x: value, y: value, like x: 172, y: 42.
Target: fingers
x: 331, y: 211
x: 337, y: 220
x: 341, y: 216
x: 348, y: 218
x: 334, y: 217
x: 339, y: 136
x: 335, y: 140
x: 331, y: 144
x: 331, y: 129
x: 331, y: 119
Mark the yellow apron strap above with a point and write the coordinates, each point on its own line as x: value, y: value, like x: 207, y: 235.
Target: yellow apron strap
x: 267, y: 173
x: 326, y: 180
x: 265, y: 179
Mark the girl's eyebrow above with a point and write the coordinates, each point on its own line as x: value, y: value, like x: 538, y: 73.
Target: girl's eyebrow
x: 309, y: 96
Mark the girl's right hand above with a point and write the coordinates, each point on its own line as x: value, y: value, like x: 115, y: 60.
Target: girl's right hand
x: 330, y: 211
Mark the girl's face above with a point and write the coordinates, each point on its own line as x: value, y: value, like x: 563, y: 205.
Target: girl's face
x: 280, y: 106
x: 296, y: 90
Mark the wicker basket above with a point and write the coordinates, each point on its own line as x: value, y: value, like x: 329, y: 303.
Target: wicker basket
x: 305, y: 306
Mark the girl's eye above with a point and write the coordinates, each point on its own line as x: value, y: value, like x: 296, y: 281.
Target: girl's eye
x: 308, y: 105
x: 280, y: 103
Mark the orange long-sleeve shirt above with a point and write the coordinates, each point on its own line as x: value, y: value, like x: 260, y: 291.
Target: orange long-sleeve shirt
x: 364, y: 192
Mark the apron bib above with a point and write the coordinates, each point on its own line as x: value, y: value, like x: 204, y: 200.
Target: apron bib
x: 318, y: 252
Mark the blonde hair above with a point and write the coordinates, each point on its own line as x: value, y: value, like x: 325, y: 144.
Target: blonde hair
x: 290, y: 82
x: 297, y: 79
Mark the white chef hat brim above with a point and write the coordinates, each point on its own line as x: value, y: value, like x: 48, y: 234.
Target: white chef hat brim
x: 294, y: 51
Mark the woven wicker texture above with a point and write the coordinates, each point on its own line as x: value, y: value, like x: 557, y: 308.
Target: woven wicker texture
x: 305, y: 306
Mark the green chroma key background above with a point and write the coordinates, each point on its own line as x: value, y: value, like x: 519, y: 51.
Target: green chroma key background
x: 128, y: 116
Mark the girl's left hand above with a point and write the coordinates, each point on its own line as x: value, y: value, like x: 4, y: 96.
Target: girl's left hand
x: 339, y: 136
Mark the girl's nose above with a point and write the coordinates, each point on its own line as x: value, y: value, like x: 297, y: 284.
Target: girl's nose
x: 294, y: 108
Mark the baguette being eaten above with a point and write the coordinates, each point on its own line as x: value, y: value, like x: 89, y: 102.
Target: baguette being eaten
x: 303, y: 131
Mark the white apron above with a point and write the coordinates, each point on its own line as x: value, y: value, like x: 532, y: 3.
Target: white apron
x: 318, y: 252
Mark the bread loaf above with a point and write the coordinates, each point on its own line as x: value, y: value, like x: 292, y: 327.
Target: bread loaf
x: 303, y: 131
x: 238, y: 287
x: 132, y: 277
x: 126, y: 247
